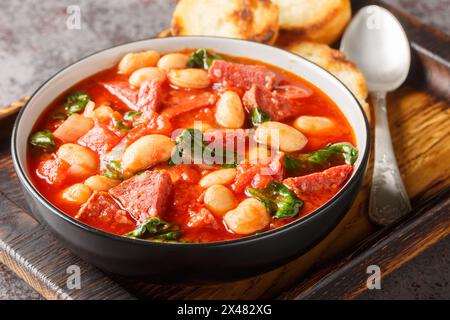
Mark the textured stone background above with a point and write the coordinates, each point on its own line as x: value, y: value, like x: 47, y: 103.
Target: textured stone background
x: 35, y: 43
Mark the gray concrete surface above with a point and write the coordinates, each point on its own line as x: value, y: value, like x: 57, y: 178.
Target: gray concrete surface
x: 35, y: 43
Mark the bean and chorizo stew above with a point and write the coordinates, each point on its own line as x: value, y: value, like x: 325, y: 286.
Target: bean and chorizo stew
x: 191, y: 146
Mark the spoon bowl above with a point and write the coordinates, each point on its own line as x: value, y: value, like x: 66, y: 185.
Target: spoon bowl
x: 377, y: 43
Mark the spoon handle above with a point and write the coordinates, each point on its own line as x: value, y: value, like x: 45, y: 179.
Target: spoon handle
x: 388, y: 198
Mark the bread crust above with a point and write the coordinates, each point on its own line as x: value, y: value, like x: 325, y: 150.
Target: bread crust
x: 324, y: 24
x: 255, y: 20
x: 335, y: 62
x: 165, y: 33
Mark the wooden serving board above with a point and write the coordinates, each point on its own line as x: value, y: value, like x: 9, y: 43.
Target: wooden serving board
x: 335, y: 268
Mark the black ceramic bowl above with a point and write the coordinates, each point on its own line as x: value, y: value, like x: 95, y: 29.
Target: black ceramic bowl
x: 206, y: 262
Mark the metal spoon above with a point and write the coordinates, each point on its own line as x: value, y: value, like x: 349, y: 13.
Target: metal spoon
x: 378, y: 45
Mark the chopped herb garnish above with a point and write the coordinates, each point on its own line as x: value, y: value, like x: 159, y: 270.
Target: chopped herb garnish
x: 291, y: 163
x: 229, y: 165
x: 76, y: 102
x: 190, y: 144
x: 43, y: 139
x: 113, y: 169
x: 171, y: 235
x: 331, y: 155
x: 259, y: 116
x: 119, y: 124
x: 202, y: 58
x: 131, y: 115
x: 281, y: 202
x: 344, y: 149
x: 156, y: 228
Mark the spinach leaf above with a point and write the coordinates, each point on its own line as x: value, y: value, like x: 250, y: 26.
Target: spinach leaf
x: 119, y: 124
x: 171, y: 235
x: 156, y: 228
x: 187, y: 143
x: 259, y: 116
x: 191, y: 142
x: 229, y: 165
x: 344, y: 149
x: 282, y: 202
x: 131, y: 115
x: 43, y: 139
x: 113, y: 169
x: 202, y: 58
x: 291, y: 163
x: 331, y: 155
x: 76, y: 102
x: 227, y: 155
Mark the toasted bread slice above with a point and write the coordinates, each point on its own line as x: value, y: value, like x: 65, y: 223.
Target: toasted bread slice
x: 165, y: 33
x: 316, y: 20
x: 255, y: 20
x: 336, y: 63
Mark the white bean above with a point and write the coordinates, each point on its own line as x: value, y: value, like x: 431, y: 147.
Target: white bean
x: 189, y: 78
x: 134, y: 61
x: 221, y: 176
x: 83, y: 162
x: 78, y: 193
x: 145, y: 74
x: 173, y: 61
x: 280, y: 135
x: 249, y: 217
x: 89, y: 109
x: 313, y: 125
x: 103, y: 112
x: 101, y: 183
x: 147, y: 151
x: 219, y: 200
x: 229, y: 112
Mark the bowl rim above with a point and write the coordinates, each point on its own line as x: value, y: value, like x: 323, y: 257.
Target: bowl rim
x: 26, y: 182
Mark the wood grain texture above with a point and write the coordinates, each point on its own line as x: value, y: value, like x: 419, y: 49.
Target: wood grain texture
x: 420, y: 33
x: 421, y: 136
x: 12, y: 109
x: 388, y: 249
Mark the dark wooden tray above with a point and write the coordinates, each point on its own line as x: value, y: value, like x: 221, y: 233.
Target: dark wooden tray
x: 336, y: 267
